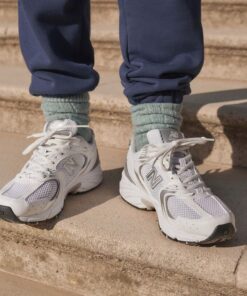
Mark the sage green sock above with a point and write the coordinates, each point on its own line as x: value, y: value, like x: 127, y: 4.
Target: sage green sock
x: 75, y: 108
x: 149, y: 116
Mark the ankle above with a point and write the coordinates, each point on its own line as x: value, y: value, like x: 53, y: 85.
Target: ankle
x: 146, y: 117
x: 74, y: 107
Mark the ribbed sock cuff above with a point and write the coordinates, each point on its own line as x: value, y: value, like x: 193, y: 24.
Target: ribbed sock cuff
x: 75, y: 108
x: 146, y: 117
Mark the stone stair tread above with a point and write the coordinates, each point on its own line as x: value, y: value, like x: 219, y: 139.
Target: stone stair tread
x: 8, y: 29
x: 223, y: 36
x: 102, y: 223
x: 227, y: 37
x: 12, y: 285
x: 210, y: 95
x: 225, y: 1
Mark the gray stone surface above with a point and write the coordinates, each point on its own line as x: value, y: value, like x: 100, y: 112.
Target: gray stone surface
x: 12, y: 285
x: 216, y: 13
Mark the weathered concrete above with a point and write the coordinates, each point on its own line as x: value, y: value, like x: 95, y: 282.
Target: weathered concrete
x: 12, y: 285
x: 241, y: 270
x: 217, y: 109
x: 8, y: 10
x: 216, y: 13
x: 100, y: 245
x: 224, y: 13
x: 9, y: 44
x: 225, y: 53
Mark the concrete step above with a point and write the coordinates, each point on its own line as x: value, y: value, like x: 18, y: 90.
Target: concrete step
x: 8, y: 10
x: 224, y: 13
x: 217, y: 109
x: 12, y: 285
x: 225, y: 50
x: 216, y: 13
x: 100, y: 245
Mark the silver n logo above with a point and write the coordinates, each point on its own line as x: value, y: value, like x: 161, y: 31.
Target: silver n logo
x: 154, y: 178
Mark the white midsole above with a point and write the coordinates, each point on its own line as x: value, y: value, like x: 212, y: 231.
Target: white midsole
x: 82, y: 183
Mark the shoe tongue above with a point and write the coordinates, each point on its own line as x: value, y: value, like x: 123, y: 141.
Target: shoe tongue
x: 63, y: 126
x: 158, y: 137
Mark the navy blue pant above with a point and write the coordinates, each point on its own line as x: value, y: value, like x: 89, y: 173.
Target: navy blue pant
x: 161, y: 42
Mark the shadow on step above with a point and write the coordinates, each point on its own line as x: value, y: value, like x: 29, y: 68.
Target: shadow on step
x: 80, y: 203
x: 229, y: 184
x: 232, y: 116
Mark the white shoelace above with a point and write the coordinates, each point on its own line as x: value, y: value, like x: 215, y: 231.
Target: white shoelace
x: 47, y: 148
x: 167, y: 150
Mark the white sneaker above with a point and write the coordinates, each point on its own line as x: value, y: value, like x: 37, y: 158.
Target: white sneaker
x: 62, y: 163
x: 162, y: 176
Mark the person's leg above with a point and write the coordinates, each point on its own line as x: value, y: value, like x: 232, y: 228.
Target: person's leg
x: 55, y: 42
x: 162, y: 46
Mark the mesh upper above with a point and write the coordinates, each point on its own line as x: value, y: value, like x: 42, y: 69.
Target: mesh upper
x: 18, y: 189
x: 48, y: 190
x: 177, y: 208
x: 182, y: 166
x: 210, y: 205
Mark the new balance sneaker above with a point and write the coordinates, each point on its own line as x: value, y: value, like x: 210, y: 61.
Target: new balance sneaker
x: 162, y: 176
x: 62, y: 163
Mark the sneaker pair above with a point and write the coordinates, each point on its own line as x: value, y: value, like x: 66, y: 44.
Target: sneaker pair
x: 160, y: 176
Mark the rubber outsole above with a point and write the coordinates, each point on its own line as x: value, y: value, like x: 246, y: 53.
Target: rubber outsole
x: 7, y: 214
x: 221, y: 234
